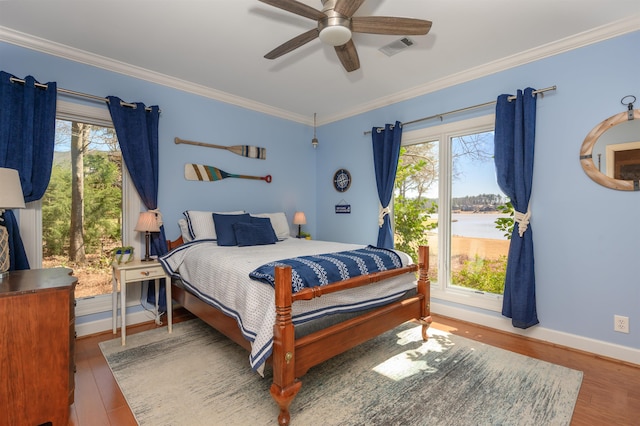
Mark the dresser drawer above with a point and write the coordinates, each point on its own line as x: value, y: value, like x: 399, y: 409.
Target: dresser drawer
x: 144, y: 274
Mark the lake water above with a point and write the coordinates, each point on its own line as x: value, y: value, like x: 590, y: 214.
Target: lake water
x: 478, y: 225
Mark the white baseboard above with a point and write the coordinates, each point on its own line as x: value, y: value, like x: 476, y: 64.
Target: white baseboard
x: 598, y: 347
x: 105, y: 324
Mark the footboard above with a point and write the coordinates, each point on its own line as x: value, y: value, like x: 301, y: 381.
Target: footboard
x: 291, y: 358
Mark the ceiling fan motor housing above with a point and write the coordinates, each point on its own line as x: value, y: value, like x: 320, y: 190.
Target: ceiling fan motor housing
x: 335, y: 29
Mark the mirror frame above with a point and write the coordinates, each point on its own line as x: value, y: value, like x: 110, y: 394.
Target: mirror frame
x: 586, y: 153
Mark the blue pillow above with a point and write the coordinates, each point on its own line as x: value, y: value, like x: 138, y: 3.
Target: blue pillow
x: 224, y: 227
x: 266, y: 222
x: 258, y: 232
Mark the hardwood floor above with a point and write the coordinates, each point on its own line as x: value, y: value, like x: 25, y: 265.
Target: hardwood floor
x: 610, y: 392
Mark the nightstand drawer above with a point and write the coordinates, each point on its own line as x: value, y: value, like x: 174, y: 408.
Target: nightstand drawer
x: 144, y: 274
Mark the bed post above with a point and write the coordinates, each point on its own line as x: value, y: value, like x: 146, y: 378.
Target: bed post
x: 285, y: 386
x: 424, y: 288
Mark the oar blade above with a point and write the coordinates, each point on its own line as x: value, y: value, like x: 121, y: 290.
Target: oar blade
x: 202, y: 172
x: 249, y: 151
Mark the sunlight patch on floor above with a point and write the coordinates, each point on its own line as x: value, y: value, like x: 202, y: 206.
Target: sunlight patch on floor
x: 414, y: 360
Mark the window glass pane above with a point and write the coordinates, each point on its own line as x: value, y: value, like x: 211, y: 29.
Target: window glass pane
x: 479, y: 240
x: 416, y: 202
x: 82, y: 207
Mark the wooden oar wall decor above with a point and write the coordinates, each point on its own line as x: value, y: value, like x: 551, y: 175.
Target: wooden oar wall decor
x: 203, y: 172
x: 243, y: 150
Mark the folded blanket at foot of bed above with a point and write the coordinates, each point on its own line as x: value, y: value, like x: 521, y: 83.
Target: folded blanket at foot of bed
x: 323, y: 269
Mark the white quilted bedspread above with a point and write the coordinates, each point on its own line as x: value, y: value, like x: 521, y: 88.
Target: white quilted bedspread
x: 220, y: 276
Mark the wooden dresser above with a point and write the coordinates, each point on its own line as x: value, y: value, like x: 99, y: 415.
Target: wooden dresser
x: 37, y: 345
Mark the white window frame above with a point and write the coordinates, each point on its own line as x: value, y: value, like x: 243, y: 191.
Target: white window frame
x: 31, y: 217
x: 444, y: 134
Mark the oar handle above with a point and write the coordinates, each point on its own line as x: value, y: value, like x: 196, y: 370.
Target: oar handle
x: 266, y: 178
x: 210, y: 145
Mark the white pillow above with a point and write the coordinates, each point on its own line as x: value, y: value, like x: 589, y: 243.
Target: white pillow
x: 200, y: 223
x: 184, y: 230
x: 279, y: 223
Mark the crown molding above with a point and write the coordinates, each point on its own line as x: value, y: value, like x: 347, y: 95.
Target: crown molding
x: 586, y: 38
x: 60, y: 50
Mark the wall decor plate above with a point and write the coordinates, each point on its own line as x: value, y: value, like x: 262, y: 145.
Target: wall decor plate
x: 342, y: 180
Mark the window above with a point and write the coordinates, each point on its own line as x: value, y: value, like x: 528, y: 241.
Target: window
x: 106, y: 206
x: 447, y: 195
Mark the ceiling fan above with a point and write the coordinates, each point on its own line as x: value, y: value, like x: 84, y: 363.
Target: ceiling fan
x: 336, y: 23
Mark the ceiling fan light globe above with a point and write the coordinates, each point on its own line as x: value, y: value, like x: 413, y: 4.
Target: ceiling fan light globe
x: 335, y: 36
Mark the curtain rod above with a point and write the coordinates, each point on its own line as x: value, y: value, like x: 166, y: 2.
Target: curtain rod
x: 77, y: 94
x: 510, y: 98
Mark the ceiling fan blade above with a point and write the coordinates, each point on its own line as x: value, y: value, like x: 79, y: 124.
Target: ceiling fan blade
x: 296, y: 7
x: 292, y: 44
x: 389, y: 25
x: 347, y: 7
x: 348, y: 56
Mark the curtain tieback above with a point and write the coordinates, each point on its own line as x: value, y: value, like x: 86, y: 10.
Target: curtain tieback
x: 523, y: 221
x: 383, y: 212
x: 158, y: 216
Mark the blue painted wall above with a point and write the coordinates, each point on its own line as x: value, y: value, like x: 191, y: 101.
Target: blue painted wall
x: 585, y: 236
x: 290, y: 156
x: 586, y: 239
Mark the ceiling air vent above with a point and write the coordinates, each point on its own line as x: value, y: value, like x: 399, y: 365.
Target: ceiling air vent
x: 396, y: 46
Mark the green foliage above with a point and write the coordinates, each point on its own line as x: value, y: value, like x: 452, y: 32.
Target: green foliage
x: 411, y: 215
x: 505, y: 224
x: 103, y: 201
x: 482, y: 275
x: 103, y: 206
x: 56, y: 210
x: 411, y: 218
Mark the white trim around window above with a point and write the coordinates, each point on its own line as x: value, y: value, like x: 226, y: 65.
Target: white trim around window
x: 444, y: 134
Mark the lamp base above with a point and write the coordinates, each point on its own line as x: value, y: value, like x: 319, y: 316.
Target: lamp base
x: 147, y: 246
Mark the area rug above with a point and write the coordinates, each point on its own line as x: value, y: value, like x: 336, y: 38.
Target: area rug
x: 196, y: 376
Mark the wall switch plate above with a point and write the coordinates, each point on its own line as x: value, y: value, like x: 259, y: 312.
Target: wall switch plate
x: 621, y: 323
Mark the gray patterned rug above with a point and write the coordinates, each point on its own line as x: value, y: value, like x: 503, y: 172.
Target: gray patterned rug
x: 196, y: 376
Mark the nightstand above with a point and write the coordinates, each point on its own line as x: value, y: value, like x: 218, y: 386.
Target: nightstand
x: 131, y: 272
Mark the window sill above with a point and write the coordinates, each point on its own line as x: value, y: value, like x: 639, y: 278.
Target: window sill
x: 491, y: 302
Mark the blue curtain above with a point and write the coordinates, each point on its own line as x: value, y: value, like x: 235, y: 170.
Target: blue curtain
x: 27, y: 133
x: 137, y: 131
x: 514, y: 146
x: 386, y: 152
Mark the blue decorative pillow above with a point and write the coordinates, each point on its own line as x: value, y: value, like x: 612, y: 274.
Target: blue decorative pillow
x: 224, y: 227
x: 258, y: 232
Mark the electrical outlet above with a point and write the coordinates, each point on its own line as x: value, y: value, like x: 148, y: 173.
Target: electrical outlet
x: 621, y: 323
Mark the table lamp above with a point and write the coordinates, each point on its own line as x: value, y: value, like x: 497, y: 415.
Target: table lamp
x: 147, y: 223
x: 299, y: 219
x: 10, y: 198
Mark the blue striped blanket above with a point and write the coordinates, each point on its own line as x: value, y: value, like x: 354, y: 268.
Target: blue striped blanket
x: 323, y: 269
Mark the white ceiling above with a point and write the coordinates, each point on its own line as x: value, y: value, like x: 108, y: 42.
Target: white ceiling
x: 216, y: 47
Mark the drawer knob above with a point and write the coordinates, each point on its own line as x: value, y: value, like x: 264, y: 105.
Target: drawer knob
x: 145, y: 273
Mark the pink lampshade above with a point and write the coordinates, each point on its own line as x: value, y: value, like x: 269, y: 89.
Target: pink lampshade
x: 147, y: 222
x: 299, y: 218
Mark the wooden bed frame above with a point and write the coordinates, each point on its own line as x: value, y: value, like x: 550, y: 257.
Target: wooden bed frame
x: 291, y: 357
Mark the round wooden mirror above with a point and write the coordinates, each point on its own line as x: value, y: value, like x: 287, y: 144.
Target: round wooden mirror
x: 620, y: 147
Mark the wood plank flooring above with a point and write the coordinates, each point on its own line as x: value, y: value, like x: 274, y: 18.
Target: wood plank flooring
x: 610, y: 392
